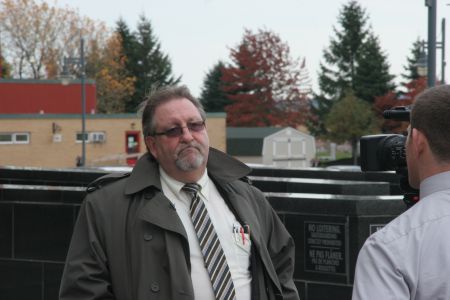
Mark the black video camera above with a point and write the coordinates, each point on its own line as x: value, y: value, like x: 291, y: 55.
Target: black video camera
x: 386, y: 152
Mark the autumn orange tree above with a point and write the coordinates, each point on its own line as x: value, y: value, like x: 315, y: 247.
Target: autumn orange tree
x: 114, y: 85
x: 265, y: 85
x: 4, y: 66
x: 36, y: 36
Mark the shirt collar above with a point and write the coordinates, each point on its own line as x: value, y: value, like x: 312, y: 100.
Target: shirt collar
x: 435, y: 183
x: 222, y: 167
x: 175, y: 186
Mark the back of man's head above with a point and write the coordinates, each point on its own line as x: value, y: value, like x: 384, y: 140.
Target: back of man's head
x: 431, y: 115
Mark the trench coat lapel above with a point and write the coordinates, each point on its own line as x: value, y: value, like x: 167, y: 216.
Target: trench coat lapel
x: 160, y: 212
x: 158, y: 209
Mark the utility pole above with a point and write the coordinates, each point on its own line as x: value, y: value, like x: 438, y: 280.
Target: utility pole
x: 431, y: 4
x: 83, y: 103
x: 443, y: 62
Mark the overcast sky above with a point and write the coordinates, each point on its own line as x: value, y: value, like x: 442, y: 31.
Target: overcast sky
x: 198, y: 33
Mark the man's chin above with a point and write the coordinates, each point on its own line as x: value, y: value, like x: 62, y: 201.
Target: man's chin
x: 190, y: 162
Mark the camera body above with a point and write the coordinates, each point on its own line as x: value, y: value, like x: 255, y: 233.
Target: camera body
x: 385, y: 152
x: 382, y: 152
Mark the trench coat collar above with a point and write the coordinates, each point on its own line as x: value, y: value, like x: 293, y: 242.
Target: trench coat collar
x: 223, y: 167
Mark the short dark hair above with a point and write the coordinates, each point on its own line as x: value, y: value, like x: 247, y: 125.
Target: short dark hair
x: 163, y: 95
x: 431, y: 115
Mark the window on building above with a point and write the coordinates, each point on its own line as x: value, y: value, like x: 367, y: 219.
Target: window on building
x: 97, y: 137
x: 79, y: 137
x: 91, y: 137
x: 14, y: 138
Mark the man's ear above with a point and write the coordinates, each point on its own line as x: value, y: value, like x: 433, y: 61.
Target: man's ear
x: 420, y: 142
x: 150, y: 142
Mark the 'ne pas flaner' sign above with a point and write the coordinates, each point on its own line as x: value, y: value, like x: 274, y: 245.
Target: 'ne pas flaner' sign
x: 325, y: 245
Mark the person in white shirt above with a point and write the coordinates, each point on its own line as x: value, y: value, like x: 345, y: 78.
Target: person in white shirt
x: 410, y: 257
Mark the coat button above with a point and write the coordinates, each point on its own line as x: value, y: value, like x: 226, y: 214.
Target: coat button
x: 155, y: 287
x: 148, y: 237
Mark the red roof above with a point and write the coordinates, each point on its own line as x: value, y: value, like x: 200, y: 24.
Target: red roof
x: 45, y: 96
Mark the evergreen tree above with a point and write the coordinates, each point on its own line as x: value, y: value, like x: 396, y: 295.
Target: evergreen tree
x: 354, y: 60
x: 212, y: 96
x: 342, y: 57
x: 129, y: 45
x: 146, y: 61
x: 412, y: 60
x: 336, y: 74
x: 372, y: 76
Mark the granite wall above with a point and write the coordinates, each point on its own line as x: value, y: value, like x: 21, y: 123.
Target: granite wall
x: 328, y: 213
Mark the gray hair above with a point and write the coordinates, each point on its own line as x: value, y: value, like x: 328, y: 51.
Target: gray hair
x: 160, y: 96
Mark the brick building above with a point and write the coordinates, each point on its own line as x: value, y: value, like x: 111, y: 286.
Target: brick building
x: 40, y: 126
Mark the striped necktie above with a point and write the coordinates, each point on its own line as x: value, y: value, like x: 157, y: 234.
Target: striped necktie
x: 212, y: 251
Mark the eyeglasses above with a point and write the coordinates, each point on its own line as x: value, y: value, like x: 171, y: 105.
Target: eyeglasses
x: 178, y: 131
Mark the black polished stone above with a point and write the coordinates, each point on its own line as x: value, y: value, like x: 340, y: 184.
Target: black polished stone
x: 42, y: 194
x: 301, y: 288
x: 52, y: 280
x: 73, y: 196
x: 328, y: 231
x: 317, y: 291
x: 321, y: 173
x: 20, y: 280
x: 5, y: 230
x: 29, y: 194
x: 337, y: 204
x: 59, y: 177
x: 318, y: 173
x: 320, y: 186
x: 42, y: 231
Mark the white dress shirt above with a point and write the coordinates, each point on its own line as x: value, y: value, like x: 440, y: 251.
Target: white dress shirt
x: 410, y: 257
x: 236, y: 251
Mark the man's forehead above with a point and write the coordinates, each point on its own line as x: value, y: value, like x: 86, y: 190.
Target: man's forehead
x: 176, y: 110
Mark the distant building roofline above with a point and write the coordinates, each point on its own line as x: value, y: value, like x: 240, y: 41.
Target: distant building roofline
x: 44, y: 81
x: 88, y: 116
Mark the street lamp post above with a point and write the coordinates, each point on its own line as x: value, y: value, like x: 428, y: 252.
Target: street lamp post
x: 83, y: 105
x: 443, y: 63
x: 81, y: 63
x: 431, y: 45
x: 431, y: 4
x: 422, y: 65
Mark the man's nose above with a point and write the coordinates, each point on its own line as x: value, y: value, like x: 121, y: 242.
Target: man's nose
x: 186, y: 135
